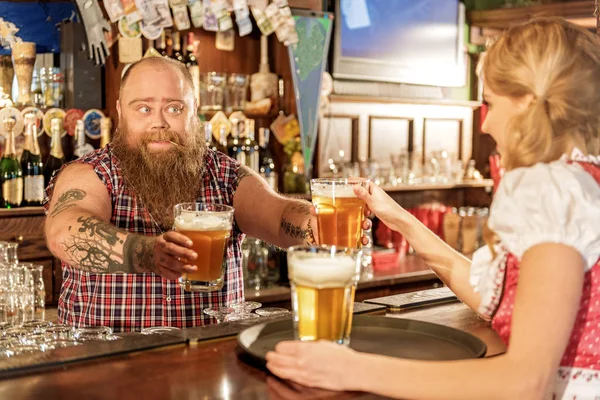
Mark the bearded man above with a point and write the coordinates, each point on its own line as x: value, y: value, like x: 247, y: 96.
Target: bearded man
x: 109, y: 214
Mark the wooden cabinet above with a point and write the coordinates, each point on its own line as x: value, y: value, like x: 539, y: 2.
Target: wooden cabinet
x: 25, y: 226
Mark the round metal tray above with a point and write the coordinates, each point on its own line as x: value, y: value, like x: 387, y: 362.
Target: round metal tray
x: 394, y: 337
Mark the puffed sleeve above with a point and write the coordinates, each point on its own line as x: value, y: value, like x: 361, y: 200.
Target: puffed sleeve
x: 548, y: 203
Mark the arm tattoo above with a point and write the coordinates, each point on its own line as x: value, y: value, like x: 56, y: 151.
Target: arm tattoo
x: 310, y: 235
x: 99, y: 247
x: 302, y: 209
x: 243, y: 172
x: 296, y: 232
x: 292, y: 230
x: 67, y: 200
x: 139, y: 253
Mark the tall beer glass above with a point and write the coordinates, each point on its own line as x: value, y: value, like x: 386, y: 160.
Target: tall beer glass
x: 339, y: 211
x: 208, y: 226
x: 322, y: 280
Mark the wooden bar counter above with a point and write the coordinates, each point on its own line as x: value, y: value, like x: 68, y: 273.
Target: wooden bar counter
x: 204, y: 370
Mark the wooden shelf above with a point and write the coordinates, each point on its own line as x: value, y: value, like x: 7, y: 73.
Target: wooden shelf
x: 578, y: 12
x: 486, y: 183
x: 21, y: 212
x: 336, y: 98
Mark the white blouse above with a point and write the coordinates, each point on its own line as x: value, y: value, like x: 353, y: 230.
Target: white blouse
x: 556, y: 202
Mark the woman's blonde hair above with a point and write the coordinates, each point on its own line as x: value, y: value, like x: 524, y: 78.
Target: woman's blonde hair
x: 558, y: 63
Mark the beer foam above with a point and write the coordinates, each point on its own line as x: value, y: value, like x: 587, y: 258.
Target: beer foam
x: 191, y: 221
x: 321, y: 272
x: 339, y: 191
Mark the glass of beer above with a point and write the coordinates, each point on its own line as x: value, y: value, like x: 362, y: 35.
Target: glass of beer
x: 323, y: 280
x: 208, y: 226
x: 339, y: 211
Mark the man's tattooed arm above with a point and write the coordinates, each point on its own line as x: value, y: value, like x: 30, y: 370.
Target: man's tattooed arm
x: 67, y: 200
x: 297, y: 223
x: 97, y: 246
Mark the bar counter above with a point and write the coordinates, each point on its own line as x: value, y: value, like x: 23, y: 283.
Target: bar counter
x: 209, y: 369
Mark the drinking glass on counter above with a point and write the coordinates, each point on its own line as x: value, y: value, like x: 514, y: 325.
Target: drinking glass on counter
x: 323, y: 280
x: 339, y: 211
x: 208, y: 226
x: 218, y: 313
x: 243, y: 311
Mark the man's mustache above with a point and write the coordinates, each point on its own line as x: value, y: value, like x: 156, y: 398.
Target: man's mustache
x: 164, y: 135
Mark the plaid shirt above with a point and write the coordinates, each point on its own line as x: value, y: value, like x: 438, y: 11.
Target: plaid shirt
x: 130, y: 302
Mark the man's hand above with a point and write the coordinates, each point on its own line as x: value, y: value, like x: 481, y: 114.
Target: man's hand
x: 172, y: 255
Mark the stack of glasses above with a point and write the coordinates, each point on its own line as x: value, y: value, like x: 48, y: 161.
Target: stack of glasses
x: 22, y: 292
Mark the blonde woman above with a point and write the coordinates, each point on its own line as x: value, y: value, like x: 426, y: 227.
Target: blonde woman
x: 541, y: 291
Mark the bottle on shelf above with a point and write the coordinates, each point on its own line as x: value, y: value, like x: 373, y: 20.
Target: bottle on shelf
x: 31, y: 165
x: 267, y: 165
x: 161, y: 45
x: 250, y: 146
x: 177, y: 55
x: 212, y: 142
x: 192, y: 65
x: 263, y: 84
x: 56, y: 159
x: 280, y: 96
x: 11, y: 175
x: 105, y: 125
x: 234, y: 145
x: 81, y: 147
x: 151, y: 50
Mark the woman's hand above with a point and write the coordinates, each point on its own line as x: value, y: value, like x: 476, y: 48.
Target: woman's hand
x: 322, y: 364
x: 379, y: 203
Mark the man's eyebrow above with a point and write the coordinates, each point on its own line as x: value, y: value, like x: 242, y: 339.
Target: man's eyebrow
x: 146, y: 99
x: 153, y: 100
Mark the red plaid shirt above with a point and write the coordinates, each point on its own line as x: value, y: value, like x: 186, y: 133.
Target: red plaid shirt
x: 130, y: 302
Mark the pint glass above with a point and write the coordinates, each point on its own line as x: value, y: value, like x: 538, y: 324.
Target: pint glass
x: 208, y: 226
x: 323, y: 280
x: 339, y: 211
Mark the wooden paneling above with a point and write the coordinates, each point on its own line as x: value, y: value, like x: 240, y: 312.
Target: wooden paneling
x: 389, y: 135
x: 443, y: 134
x: 29, y: 233
x: 13, y: 227
x: 339, y: 133
x: 429, y: 124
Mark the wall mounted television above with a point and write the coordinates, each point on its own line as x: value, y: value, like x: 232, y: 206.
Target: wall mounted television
x: 401, y: 41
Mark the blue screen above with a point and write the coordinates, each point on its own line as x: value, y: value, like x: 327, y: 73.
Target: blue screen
x: 37, y: 22
x: 400, y: 31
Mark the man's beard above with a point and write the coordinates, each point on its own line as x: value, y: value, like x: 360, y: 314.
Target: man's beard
x: 162, y: 179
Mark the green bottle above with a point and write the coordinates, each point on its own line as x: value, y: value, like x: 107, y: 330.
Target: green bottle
x: 31, y: 165
x: 56, y: 159
x: 11, y: 175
